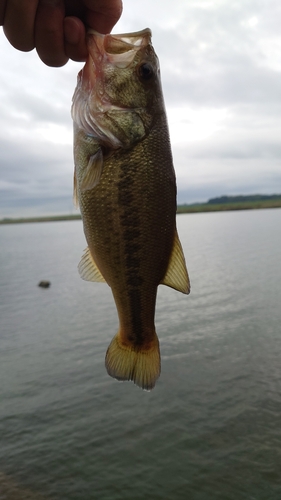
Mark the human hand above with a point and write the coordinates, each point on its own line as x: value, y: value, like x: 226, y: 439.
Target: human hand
x: 56, y: 28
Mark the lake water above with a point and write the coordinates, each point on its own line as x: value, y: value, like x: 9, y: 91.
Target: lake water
x: 211, y: 428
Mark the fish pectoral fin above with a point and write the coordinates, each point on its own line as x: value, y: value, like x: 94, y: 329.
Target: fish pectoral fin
x: 125, y: 362
x: 75, y: 192
x: 88, y: 269
x: 176, y: 275
x: 93, y: 171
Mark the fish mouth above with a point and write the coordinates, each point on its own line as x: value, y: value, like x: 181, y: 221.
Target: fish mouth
x: 120, y: 49
x: 124, y: 42
x: 91, y: 101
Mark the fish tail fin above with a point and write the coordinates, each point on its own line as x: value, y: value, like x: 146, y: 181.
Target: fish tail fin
x: 128, y: 362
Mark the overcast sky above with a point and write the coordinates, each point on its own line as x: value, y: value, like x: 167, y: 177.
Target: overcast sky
x: 221, y: 75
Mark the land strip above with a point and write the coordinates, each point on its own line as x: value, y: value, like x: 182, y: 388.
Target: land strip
x: 222, y: 204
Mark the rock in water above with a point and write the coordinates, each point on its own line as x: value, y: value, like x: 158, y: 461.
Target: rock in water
x: 44, y: 284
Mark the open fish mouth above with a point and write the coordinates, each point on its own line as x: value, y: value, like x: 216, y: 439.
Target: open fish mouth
x: 119, y: 50
x: 133, y: 38
x: 94, y: 109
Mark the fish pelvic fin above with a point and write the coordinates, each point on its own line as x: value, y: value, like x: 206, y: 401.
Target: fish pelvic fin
x: 128, y: 362
x: 88, y: 269
x: 176, y: 275
x: 93, y: 171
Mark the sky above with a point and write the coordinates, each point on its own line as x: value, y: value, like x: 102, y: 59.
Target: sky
x: 221, y: 75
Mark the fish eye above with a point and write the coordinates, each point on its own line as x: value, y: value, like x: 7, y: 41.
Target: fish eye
x: 145, y: 71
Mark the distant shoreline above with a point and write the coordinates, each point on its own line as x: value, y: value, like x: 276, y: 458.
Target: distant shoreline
x: 222, y: 204
x: 47, y: 218
x: 229, y: 206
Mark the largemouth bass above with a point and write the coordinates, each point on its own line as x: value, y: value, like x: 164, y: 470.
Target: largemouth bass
x: 125, y: 184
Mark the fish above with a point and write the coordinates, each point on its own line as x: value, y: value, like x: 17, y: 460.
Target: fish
x: 125, y: 186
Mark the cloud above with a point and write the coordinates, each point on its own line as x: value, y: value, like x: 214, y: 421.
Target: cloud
x: 221, y: 71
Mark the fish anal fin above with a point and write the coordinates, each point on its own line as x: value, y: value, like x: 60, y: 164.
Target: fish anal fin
x: 125, y: 362
x: 92, y: 174
x: 88, y: 269
x: 176, y: 275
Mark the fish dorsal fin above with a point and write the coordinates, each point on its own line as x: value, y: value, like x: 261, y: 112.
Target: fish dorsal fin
x: 88, y: 269
x: 176, y: 275
x: 75, y: 192
x: 93, y: 171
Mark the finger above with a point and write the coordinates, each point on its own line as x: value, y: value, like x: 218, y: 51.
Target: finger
x: 19, y: 23
x: 102, y: 15
x: 2, y: 11
x: 75, y: 39
x: 49, y: 34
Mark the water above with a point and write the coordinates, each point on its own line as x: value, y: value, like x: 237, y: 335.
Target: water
x: 210, y: 429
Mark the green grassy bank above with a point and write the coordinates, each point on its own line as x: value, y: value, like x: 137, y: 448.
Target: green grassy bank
x: 48, y: 218
x: 221, y: 207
